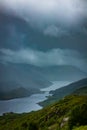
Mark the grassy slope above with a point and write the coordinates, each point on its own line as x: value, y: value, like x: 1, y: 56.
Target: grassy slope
x: 54, y: 117
x: 64, y: 91
x: 81, y: 91
x: 81, y: 128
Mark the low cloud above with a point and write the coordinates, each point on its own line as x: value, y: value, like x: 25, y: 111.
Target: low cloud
x: 40, y: 13
x: 50, y: 58
x: 55, y: 31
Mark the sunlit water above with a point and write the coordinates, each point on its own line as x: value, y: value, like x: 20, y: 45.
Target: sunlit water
x: 29, y: 104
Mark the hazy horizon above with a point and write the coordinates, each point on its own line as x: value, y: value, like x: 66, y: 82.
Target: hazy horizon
x: 42, y: 42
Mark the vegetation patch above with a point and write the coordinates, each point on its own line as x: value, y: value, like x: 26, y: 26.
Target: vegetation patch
x: 68, y: 114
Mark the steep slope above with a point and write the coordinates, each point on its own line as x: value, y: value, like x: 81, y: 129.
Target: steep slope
x: 58, y: 116
x: 61, y: 92
x: 81, y: 91
x: 81, y: 128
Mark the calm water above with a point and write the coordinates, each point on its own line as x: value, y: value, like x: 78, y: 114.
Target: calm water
x: 56, y: 85
x: 29, y: 103
x: 23, y: 104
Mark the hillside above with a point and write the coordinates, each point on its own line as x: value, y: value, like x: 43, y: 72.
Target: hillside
x: 66, y: 90
x: 17, y: 93
x: 81, y: 91
x: 7, y: 86
x: 27, y: 76
x: 67, y: 114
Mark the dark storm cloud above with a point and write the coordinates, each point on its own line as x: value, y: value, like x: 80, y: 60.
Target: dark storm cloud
x: 55, y: 31
x: 58, y: 23
x: 49, y: 24
x: 48, y: 12
x: 16, y: 33
x: 49, y: 58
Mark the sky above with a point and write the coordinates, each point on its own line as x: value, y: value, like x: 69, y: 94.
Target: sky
x: 44, y: 33
x: 65, y: 12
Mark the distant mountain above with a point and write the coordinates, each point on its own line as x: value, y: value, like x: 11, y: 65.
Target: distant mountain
x: 12, y: 89
x: 67, y: 90
x: 7, y: 86
x: 17, y: 93
x: 63, y: 73
x: 16, y: 33
x: 13, y: 76
x: 26, y: 76
x: 38, y: 77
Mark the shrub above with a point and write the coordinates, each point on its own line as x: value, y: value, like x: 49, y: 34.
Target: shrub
x: 33, y: 126
x: 78, y: 116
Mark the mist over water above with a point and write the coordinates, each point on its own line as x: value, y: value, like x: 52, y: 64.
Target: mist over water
x: 56, y: 85
x: 41, y: 41
x: 22, y: 105
x: 29, y: 104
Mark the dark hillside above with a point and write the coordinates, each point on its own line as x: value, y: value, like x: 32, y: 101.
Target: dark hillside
x: 62, y: 92
x: 58, y: 116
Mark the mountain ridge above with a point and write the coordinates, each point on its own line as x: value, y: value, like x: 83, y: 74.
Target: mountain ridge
x: 63, y: 91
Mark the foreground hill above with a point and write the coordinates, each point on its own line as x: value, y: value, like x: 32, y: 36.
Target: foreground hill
x: 66, y: 90
x: 81, y: 91
x: 67, y: 114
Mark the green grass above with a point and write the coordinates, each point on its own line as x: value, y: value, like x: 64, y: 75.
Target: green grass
x: 81, y: 128
x: 49, y: 118
x: 81, y: 91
